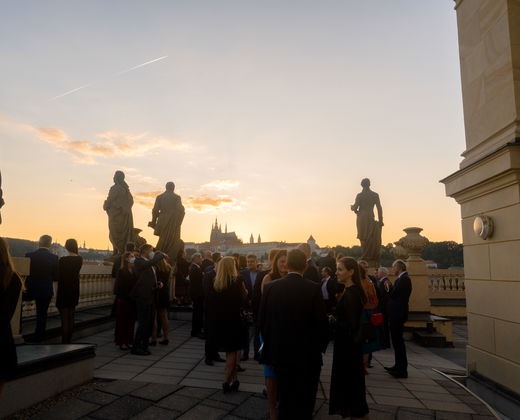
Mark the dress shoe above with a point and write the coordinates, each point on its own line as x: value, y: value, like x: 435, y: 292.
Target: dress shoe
x: 398, y: 374
x: 226, y: 388
x: 140, y: 352
x: 389, y: 369
x: 209, y: 362
x: 235, y: 385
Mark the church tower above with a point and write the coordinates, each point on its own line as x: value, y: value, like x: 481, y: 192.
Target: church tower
x: 251, y: 239
x: 259, y: 239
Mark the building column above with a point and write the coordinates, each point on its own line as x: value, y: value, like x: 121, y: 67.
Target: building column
x: 487, y: 186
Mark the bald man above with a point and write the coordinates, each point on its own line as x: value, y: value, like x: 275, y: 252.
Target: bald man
x: 311, y: 272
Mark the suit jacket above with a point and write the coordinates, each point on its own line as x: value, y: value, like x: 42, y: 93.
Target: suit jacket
x: 333, y: 287
x: 399, y: 297
x: 196, y: 276
x: 327, y: 262
x: 206, y: 265
x: 293, y: 323
x: 43, y: 272
x: 248, y: 281
x: 311, y: 272
x: 144, y: 289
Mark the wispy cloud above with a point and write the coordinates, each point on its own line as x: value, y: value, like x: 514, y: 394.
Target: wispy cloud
x: 69, y: 92
x: 222, y: 184
x: 105, y: 144
x: 202, y: 203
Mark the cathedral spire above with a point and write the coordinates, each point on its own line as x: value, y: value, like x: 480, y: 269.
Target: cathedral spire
x: 251, y: 239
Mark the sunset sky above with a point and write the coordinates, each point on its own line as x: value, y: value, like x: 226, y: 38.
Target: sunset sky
x: 266, y: 114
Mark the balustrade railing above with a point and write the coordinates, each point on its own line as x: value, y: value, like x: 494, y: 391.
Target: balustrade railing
x: 95, y: 289
x: 446, y: 280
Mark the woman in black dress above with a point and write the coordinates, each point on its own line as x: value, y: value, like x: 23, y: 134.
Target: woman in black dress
x: 162, y: 302
x: 347, y: 386
x: 227, y: 298
x: 10, y: 286
x: 125, y: 306
x: 68, y: 288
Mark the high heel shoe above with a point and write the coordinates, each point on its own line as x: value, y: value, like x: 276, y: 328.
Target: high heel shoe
x: 226, y: 388
x: 234, y: 386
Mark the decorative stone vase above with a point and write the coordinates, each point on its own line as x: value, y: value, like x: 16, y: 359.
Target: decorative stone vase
x: 413, y: 243
x: 399, y: 252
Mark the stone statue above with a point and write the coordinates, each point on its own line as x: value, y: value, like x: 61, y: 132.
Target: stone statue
x: 2, y: 202
x: 118, y: 206
x: 167, y: 216
x: 369, y: 230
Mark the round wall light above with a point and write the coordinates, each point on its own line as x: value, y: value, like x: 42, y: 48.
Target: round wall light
x: 483, y: 227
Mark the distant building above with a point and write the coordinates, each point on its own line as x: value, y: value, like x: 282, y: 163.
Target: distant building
x: 222, y: 239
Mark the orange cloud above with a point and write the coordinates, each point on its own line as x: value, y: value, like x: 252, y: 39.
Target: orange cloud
x: 106, y: 144
x: 201, y: 203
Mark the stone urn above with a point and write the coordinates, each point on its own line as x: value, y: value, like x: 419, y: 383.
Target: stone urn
x: 413, y: 243
x: 399, y: 252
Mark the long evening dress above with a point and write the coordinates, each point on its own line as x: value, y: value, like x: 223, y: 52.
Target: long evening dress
x: 347, y: 387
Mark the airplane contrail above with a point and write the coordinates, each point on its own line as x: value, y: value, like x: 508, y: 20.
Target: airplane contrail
x: 115, y: 74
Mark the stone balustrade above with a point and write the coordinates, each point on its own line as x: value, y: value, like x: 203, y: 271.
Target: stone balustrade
x: 96, y: 289
x: 446, y: 280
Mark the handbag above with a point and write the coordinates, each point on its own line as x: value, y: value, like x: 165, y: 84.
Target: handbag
x: 377, y: 319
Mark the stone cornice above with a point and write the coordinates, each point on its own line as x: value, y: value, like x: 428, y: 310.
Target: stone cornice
x: 492, y: 172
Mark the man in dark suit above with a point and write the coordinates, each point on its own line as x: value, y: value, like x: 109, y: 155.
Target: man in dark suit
x: 143, y: 293
x: 398, y: 315
x: 43, y: 272
x: 328, y: 261
x: 207, y: 262
x: 329, y: 289
x: 383, y: 288
x: 252, y: 278
x: 197, y: 296
x: 311, y: 269
x: 294, y: 326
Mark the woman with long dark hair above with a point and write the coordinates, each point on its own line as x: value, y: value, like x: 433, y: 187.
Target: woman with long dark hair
x: 125, y: 306
x: 347, y: 386
x: 10, y: 286
x: 278, y: 271
x: 227, y: 298
x: 162, y: 303
x: 67, y: 297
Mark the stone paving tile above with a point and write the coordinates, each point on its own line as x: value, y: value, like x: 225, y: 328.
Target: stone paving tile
x: 235, y: 398
x: 445, y: 415
x: 391, y: 392
x: 156, y: 413
x: 132, y: 362
x: 202, y: 383
x: 123, y: 368
x: 164, y: 371
x: 416, y: 414
x: 155, y: 392
x: 120, y: 387
x: 397, y: 401
x: 160, y: 379
x: 448, y: 406
x: 113, y: 374
x: 123, y: 408
x: 435, y: 389
x: 67, y: 410
x: 98, y: 397
x: 199, y: 393
x: 178, y: 403
x: 421, y: 395
x: 252, y: 408
x: 219, y: 404
x: 203, y: 412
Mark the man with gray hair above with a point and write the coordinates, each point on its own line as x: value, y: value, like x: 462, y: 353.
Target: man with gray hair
x: 398, y: 315
x: 383, y: 287
x: 42, y: 273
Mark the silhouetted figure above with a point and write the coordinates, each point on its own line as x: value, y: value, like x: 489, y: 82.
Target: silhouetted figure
x: 43, y: 272
x: 118, y: 206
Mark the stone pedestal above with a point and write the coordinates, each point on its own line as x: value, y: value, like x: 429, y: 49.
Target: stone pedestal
x: 488, y: 184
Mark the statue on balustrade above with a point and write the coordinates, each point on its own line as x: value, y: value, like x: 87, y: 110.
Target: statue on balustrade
x: 2, y: 202
x: 118, y: 206
x: 369, y: 229
x: 167, y: 216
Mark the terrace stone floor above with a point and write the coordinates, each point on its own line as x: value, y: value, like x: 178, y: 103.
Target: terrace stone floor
x: 174, y: 382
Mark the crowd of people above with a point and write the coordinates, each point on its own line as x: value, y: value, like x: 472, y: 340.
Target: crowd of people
x: 290, y: 310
